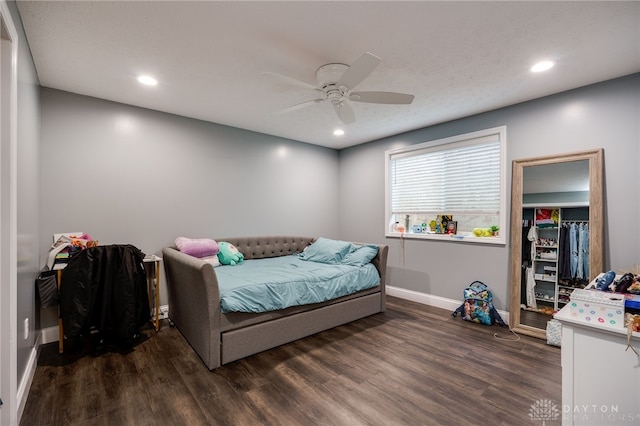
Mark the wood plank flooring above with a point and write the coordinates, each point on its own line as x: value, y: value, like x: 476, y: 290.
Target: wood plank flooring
x: 412, y: 365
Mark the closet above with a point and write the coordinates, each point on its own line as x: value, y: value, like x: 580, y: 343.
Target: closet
x: 555, y: 256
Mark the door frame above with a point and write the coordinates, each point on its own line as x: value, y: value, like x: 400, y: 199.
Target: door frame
x: 8, y: 216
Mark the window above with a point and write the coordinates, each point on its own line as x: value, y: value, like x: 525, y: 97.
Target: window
x: 459, y: 179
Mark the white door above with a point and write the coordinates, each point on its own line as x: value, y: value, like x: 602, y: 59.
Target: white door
x: 8, y: 220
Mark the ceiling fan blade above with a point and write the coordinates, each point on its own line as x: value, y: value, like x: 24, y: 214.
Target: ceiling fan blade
x: 359, y: 70
x: 344, y: 111
x: 290, y: 81
x: 301, y: 105
x: 381, y: 97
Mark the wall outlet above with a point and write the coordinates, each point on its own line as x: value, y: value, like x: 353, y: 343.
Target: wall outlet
x: 26, y: 328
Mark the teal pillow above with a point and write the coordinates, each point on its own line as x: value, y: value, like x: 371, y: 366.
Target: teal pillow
x: 325, y: 250
x: 360, y: 255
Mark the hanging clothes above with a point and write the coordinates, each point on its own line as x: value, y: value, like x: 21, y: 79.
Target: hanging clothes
x: 104, y: 288
x: 580, y: 265
x: 531, y: 288
x: 564, y: 254
x: 533, y: 237
x: 584, y: 247
x: 573, y: 251
x: 573, y: 247
x: 526, y: 245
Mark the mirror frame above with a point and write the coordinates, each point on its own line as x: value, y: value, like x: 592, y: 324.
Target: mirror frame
x: 596, y: 226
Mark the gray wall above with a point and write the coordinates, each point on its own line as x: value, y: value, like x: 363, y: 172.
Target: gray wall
x: 28, y: 133
x: 124, y: 174
x: 605, y: 115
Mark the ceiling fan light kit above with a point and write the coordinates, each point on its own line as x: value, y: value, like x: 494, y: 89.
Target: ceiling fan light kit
x: 336, y: 82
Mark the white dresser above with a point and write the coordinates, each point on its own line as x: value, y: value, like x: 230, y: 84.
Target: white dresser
x: 600, y: 379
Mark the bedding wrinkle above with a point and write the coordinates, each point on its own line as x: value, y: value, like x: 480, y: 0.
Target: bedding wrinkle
x: 261, y: 285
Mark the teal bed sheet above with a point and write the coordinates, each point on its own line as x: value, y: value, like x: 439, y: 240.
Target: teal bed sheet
x: 262, y: 285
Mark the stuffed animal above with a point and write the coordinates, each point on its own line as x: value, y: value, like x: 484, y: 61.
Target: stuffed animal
x: 229, y: 254
x: 605, y: 281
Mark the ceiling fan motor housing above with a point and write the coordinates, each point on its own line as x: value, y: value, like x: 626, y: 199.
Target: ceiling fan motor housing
x: 328, y: 76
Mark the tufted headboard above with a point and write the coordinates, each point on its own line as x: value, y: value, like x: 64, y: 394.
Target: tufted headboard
x: 269, y: 246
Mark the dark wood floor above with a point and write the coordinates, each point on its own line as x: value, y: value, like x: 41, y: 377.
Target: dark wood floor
x: 412, y: 365
x: 534, y: 319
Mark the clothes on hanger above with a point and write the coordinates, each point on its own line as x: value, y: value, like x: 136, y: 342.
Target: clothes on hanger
x: 573, y: 250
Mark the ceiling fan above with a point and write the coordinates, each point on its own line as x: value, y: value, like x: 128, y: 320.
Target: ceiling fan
x: 336, y: 83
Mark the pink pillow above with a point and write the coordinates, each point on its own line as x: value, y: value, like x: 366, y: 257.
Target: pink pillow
x: 197, y: 247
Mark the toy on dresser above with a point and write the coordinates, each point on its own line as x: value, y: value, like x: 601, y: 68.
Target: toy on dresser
x: 627, y: 283
x: 610, y: 299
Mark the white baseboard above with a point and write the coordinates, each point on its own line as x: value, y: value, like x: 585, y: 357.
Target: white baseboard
x: 27, y: 377
x: 424, y: 298
x: 49, y: 335
x: 432, y: 300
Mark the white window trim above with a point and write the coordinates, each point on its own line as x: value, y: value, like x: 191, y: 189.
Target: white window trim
x: 501, y: 133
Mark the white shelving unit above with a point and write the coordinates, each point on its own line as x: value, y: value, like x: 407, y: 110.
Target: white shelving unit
x: 545, y: 267
x: 552, y: 292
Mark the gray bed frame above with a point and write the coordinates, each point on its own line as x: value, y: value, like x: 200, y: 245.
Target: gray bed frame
x: 219, y: 338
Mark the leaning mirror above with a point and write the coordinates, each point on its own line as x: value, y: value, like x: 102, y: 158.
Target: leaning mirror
x: 556, y: 234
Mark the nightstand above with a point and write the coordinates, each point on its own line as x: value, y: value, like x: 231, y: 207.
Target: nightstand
x: 153, y: 281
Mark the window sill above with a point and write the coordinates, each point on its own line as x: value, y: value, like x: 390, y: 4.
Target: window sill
x: 499, y: 240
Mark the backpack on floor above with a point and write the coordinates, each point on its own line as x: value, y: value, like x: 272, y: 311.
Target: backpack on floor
x: 478, y: 306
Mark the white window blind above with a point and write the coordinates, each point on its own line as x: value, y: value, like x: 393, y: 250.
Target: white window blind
x: 456, y: 178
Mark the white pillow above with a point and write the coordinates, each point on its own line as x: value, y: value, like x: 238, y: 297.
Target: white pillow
x: 212, y: 260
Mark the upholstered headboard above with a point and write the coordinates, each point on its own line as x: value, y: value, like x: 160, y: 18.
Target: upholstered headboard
x: 269, y: 246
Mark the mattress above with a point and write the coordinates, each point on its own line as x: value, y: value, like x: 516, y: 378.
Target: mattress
x: 262, y: 285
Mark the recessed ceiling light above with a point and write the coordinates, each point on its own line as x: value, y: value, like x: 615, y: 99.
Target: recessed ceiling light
x: 542, y: 66
x: 338, y: 132
x: 147, y: 80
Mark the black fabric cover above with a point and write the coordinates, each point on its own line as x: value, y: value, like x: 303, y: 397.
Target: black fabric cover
x: 526, y: 244
x: 47, y: 285
x: 104, y: 288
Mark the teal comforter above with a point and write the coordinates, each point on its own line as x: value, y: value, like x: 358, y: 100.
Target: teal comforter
x: 261, y: 285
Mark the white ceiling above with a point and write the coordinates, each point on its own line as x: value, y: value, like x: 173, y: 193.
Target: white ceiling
x: 457, y: 58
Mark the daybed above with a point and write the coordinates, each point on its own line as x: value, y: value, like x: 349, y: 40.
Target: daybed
x: 220, y: 338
